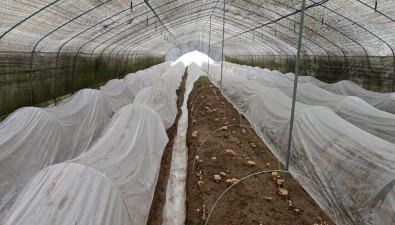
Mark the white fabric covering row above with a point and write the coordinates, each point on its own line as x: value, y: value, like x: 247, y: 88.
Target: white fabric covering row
x: 382, y: 101
x: 162, y: 103
x: 34, y: 138
x: 113, y: 183
x: 350, y: 108
x: 349, y: 172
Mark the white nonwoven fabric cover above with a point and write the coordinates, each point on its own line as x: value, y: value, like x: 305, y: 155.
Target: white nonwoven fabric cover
x: 173, y: 77
x: 160, y: 101
x: 242, y: 96
x: 118, y: 93
x: 25, y: 150
x: 33, y: 138
x: 112, y: 183
x: 343, y: 168
x: 348, y: 171
x: 53, y: 135
x: 350, y: 108
x: 134, y: 83
x: 149, y: 80
x: 160, y: 94
x: 174, y: 211
x: 141, y: 80
x: 382, y: 101
x: 145, y: 78
x: 69, y: 193
x: 83, y: 116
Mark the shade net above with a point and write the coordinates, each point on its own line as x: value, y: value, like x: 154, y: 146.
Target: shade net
x: 69, y: 45
x: 259, y: 27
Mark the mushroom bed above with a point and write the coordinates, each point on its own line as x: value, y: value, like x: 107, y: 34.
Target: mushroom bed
x: 223, y: 149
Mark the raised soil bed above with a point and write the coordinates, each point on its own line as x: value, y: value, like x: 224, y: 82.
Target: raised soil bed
x: 228, y: 154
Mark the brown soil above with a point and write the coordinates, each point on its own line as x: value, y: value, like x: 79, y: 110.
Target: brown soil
x: 158, y: 202
x: 254, y: 200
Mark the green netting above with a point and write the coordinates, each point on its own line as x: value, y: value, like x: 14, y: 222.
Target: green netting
x: 53, y: 77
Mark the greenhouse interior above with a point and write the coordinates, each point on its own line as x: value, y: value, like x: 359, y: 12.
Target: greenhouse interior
x: 116, y: 112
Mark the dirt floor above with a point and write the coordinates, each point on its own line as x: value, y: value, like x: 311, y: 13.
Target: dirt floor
x: 234, y: 153
x: 155, y: 215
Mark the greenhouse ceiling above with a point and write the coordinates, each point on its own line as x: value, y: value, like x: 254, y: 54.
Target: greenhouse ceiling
x: 252, y: 27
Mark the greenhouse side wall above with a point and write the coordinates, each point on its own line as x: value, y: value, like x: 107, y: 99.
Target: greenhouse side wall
x: 53, y: 77
x: 374, y: 73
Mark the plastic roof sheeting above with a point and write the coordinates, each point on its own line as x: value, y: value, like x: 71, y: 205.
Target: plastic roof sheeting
x: 336, y: 27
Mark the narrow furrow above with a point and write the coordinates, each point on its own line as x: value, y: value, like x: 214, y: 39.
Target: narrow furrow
x: 158, y: 202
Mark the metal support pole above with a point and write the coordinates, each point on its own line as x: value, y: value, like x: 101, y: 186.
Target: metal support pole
x: 209, y: 45
x: 30, y: 77
x: 223, y: 41
x: 393, y: 75
x: 294, y: 91
x: 53, y: 31
x: 74, y: 68
x: 201, y: 44
x: 55, y: 82
x: 123, y: 71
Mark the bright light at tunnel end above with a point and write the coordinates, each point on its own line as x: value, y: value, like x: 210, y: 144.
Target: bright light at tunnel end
x: 196, y: 57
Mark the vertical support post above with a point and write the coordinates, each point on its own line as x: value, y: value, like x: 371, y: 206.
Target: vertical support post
x: 99, y: 65
x: 56, y: 75
x: 190, y: 55
x: 96, y: 72
x: 55, y: 81
x: 294, y: 91
x: 223, y: 40
x: 367, y: 71
x: 122, y: 66
x: 108, y: 62
x: 74, y: 68
x: 208, y: 52
x: 393, y: 75
x: 201, y: 44
x: 31, y: 77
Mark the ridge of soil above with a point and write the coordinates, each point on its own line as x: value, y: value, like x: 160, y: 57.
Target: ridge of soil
x: 254, y: 200
x: 158, y: 202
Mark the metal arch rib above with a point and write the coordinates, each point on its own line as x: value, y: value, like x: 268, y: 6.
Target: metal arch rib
x: 30, y: 16
x: 103, y: 21
x: 291, y: 30
x: 121, y: 32
x: 356, y: 23
x: 42, y: 38
x: 140, y: 38
x: 278, y: 19
x: 326, y: 51
x: 149, y: 6
x: 381, y: 13
x: 187, y: 21
x: 134, y: 25
x: 143, y: 37
x: 145, y: 34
